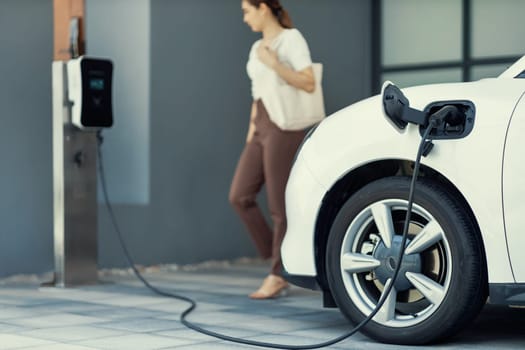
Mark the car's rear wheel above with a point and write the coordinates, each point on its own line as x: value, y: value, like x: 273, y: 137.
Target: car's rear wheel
x: 442, y: 283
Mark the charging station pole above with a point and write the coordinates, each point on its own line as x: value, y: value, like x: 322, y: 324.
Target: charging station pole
x: 74, y: 162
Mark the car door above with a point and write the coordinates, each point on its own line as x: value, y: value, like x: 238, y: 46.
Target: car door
x: 514, y: 190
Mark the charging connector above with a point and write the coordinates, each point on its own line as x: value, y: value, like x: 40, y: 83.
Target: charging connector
x: 447, y: 115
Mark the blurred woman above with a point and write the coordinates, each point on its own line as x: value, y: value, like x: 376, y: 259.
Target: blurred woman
x: 267, y: 158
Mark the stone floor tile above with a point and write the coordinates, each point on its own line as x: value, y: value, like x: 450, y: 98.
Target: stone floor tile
x: 54, y: 320
x: 14, y: 341
x: 140, y: 325
x: 130, y: 342
x: 69, y: 334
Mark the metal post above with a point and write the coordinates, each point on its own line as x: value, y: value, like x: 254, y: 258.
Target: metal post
x: 74, y: 161
x: 75, y: 192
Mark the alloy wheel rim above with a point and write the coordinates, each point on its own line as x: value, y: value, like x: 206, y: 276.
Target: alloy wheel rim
x: 362, y: 260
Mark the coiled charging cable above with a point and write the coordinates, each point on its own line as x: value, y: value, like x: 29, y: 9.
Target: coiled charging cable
x: 425, y: 142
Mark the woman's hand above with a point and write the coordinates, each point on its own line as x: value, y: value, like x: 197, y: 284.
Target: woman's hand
x: 251, y: 127
x: 303, y: 79
x: 267, y: 56
x: 251, y: 132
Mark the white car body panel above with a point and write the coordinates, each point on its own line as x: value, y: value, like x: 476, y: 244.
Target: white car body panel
x: 360, y: 134
x: 517, y: 68
x: 514, y: 191
x: 301, y: 219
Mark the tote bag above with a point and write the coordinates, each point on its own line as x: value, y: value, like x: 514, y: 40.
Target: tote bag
x: 295, y: 109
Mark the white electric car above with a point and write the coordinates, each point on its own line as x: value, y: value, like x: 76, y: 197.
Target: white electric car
x: 346, y: 202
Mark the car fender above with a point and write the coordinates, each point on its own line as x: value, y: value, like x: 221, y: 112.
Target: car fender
x: 360, y: 134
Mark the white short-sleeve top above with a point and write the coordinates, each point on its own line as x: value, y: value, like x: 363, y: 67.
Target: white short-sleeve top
x: 292, y: 50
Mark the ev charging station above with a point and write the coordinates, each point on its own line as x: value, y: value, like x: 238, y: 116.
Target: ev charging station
x: 82, y: 105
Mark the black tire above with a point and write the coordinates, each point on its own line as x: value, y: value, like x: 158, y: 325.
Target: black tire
x: 448, y: 257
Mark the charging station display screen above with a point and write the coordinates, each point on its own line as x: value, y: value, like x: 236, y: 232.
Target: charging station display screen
x: 96, y: 92
x: 96, y: 84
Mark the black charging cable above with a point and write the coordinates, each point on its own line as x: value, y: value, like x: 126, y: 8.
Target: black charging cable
x: 433, y: 122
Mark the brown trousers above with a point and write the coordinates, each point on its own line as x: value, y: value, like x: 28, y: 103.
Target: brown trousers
x: 266, y: 159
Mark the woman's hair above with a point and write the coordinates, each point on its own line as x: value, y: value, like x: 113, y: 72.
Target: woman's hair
x: 278, y: 11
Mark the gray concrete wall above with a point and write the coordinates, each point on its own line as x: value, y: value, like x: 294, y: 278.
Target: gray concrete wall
x: 120, y: 30
x: 170, y: 158
x: 26, y: 42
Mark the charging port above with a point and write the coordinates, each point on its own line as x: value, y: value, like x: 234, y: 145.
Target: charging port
x: 457, y: 125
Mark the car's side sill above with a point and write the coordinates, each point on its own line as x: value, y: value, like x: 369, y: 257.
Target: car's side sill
x: 309, y: 282
x: 507, y: 293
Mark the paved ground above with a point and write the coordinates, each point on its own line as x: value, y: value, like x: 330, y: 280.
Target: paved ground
x: 122, y: 314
